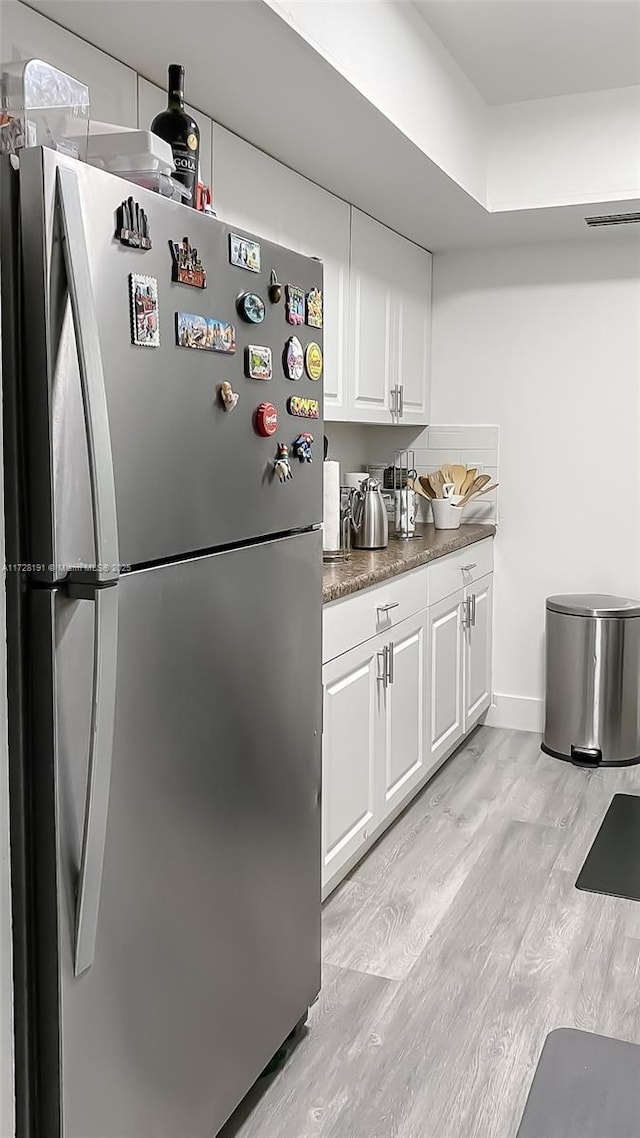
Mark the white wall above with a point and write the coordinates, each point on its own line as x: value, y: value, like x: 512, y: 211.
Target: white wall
x: 388, y: 52
x: 545, y: 341
x: 571, y: 149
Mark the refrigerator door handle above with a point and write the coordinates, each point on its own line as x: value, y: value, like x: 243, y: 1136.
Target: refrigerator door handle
x: 103, y: 703
x: 94, y: 399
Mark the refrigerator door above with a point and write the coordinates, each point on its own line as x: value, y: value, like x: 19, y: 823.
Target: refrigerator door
x: 207, y: 946
x: 134, y: 437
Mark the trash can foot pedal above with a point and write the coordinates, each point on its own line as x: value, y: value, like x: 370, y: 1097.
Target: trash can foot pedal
x: 586, y: 756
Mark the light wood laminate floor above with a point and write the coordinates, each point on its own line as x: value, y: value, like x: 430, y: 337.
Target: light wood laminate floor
x: 453, y: 949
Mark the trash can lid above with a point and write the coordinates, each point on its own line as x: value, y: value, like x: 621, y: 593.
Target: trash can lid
x: 593, y: 604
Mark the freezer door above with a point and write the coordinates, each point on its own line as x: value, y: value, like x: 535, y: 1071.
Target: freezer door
x: 207, y: 943
x: 137, y: 437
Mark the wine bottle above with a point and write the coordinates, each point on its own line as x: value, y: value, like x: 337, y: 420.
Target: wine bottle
x: 176, y: 126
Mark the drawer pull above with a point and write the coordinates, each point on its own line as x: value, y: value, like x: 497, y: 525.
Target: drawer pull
x: 468, y: 568
x: 388, y: 607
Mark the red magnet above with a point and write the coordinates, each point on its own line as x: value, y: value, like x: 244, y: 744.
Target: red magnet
x: 266, y: 419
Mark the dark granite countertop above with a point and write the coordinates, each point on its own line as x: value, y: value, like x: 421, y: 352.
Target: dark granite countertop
x: 367, y: 568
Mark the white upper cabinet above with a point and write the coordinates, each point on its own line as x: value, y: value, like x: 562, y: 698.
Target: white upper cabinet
x: 28, y: 35
x: 370, y: 321
x: 152, y: 100
x: 412, y: 293
x: 261, y: 195
x: 390, y: 319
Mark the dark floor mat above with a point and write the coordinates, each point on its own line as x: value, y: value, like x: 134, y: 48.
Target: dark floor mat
x: 613, y: 862
x: 585, y: 1086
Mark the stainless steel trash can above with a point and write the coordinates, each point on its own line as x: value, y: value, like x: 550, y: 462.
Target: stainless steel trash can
x: 592, y: 713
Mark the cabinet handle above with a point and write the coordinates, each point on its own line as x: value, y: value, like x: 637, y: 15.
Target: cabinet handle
x: 467, y: 568
x: 384, y: 654
x: 388, y: 607
x: 390, y: 662
x: 394, y: 401
x: 473, y: 610
x: 401, y: 394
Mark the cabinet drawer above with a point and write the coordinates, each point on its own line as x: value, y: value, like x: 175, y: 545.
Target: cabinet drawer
x: 356, y: 618
x: 449, y: 573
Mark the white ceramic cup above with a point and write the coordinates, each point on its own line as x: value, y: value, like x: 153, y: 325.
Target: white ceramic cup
x: 445, y: 514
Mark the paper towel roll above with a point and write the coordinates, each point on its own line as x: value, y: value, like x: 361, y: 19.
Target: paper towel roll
x: 331, y: 505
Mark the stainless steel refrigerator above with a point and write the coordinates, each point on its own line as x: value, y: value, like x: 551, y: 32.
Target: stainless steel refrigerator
x: 164, y: 594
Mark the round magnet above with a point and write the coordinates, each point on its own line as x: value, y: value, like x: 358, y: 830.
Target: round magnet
x: 313, y: 360
x: 251, y: 307
x: 293, y: 358
x: 266, y: 419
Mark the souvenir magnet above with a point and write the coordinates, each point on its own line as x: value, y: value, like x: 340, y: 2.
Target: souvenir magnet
x: 204, y: 332
x: 132, y: 226
x: 251, y: 307
x: 266, y: 419
x: 258, y: 362
x: 143, y: 294
x: 243, y: 253
x: 293, y: 358
x: 228, y: 396
x: 187, y: 266
x: 275, y: 288
x: 314, y: 308
x: 303, y: 408
x: 313, y: 360
x: 295, y: 304
x: 282, y: 466
x: 303, y: 447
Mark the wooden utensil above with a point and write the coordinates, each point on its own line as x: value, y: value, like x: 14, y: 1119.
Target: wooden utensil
x: 426, y: 486
x: 437, y: 482
x: 478, y: 484
x: 469, y: 477
x: 413, y: 484
x: 459, y: 474
x: 447, y: 472
x: 477, y: 493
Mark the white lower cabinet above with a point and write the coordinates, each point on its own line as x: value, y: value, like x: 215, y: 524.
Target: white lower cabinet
x: 446, y: 725
x: 398, y: 704
x: 353, y: 697
x: 406, y: 699
x: 478, y: 650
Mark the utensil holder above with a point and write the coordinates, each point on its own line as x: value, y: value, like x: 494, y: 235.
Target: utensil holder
x: 404, y: 466
x: 445, y: 514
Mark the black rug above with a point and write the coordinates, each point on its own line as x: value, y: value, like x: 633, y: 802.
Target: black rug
x: 585, y: 1086
x: 613, y: 862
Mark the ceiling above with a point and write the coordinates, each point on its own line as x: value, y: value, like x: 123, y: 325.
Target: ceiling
x: 406, y: 191
x: 530, y: 49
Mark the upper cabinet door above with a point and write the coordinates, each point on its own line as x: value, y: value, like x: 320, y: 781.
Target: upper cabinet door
x: 390, y: 321
x: 413, y: 332
x: 371, y: 315
x: 257, y: 193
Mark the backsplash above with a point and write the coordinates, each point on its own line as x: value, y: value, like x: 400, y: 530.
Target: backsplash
x: 355, y: 445
x: 471, y: 445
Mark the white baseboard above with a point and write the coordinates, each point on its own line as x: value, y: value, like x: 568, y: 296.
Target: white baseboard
x: 517, y: 712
